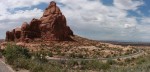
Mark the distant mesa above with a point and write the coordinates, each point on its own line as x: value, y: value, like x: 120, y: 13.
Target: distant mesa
x: 52, y: 26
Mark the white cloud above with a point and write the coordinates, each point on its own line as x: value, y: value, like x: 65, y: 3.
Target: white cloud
x: 10, y: 21
x: 22, y: 3
x: 22, y: 14
x: 128, y: 4
x: 129, y: 25
x: 94, y: 16
x: 146, y: 20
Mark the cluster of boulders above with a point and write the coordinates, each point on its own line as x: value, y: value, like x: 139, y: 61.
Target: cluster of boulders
x: 51, y: 26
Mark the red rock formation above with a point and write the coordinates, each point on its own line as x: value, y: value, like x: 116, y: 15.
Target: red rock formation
x: 9, y: 36
x: 25, y: 26
x: 17, y: 33
x: 51, y: 26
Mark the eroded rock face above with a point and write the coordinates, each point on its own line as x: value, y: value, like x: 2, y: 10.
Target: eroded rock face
x: 10, y: 36
x: 51, y: 26
x: 17, y: 33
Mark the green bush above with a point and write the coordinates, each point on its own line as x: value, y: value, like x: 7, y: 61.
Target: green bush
x: 111, y: 62
x: 95, y: 65
x: 128, y: 60
x: 77, y: 55
x: 22, y: 63
x: 13, y: 52
x: 40, y: 56
x: 99, y: 65
x: 19, y: 57
x: 72, y: 55
x: 72, y: 63
x: 45, y: 67
x: 50, y: 54
x: 37, y: 67
x: 141, y: 60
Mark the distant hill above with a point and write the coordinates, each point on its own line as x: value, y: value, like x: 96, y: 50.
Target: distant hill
x: 128, y: 43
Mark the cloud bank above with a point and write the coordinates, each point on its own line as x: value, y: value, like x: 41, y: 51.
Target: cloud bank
x: 88, y: 18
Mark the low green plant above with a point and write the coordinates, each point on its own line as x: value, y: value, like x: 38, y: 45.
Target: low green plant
x: 39, y: 56
x: 13, y: 52
x: 141, y: 60
x: 95, y: 65
x: 50, y: 54
x: 111, y: 62
x: 22, y: 63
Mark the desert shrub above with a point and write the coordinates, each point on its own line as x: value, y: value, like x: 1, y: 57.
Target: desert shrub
x: 140, y: 60
x: 121, y: 63
x: 84, y: 65
x: 37, y: 67
x: 128, y: 60
x: 50, y: 54
x: 39, y: 56
x: 111, y: 62
x: 77, y: 55
x: 80, y: 55
x: 62, y: 54
x: 19, y: 57
x: 13, y: 52
x: 84, y: 62
x: 21, y: 63
x: 72, y: 55
x: 95, y: 65
x: 45, y: 67
x: 72, y: 63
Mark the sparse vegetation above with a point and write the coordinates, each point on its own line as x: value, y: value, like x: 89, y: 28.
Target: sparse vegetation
x: 35, y: 61
x: 21, y: 58
x: 95, y: 65
x: 111, y: 62
x: 12, y: 53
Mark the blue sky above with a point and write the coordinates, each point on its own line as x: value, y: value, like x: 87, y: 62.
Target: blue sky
x: 122, y: 20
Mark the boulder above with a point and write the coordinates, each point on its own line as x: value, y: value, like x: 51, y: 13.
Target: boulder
x: 17, y: 33
x: 25, y: 26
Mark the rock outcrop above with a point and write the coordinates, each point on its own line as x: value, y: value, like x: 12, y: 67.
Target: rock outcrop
x: 51, y: 26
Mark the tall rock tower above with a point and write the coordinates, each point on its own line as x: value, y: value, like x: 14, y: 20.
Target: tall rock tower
x: 51, y: 26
